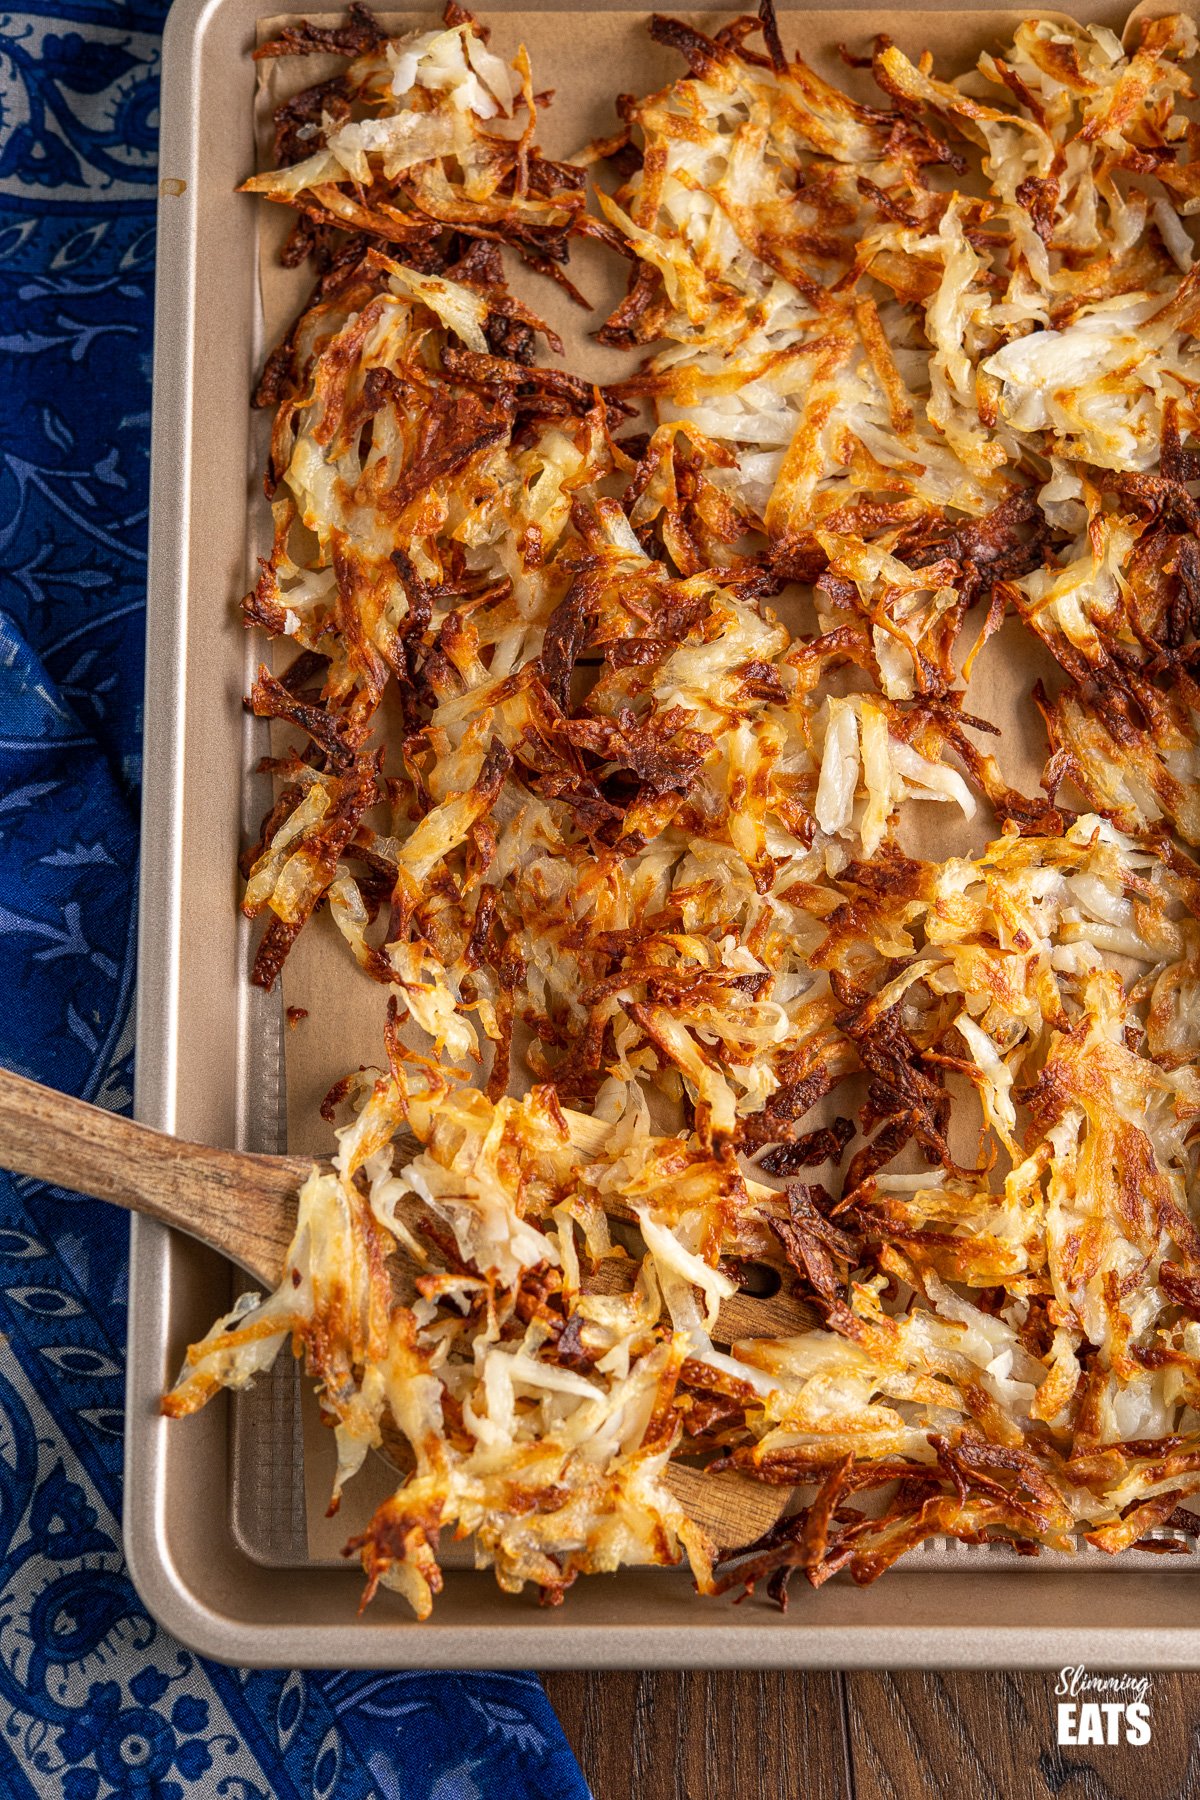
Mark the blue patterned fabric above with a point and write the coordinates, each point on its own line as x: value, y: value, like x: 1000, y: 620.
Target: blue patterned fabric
x: 95, y: 1699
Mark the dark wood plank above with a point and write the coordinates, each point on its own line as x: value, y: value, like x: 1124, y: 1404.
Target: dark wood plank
x: 994, y: 1737
x: 750, y: 1735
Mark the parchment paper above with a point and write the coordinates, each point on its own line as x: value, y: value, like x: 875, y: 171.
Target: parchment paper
x: 587, y: 58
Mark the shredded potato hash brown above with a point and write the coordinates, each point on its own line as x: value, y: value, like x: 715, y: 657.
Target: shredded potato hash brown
x: 598, y: 820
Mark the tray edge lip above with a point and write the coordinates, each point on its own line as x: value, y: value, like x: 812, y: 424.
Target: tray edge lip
x: 164, y: 696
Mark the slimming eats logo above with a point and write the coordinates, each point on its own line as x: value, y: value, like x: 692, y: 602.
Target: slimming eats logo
x: 1102, y: 1709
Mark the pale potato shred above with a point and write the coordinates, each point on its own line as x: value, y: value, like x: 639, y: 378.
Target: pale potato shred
x: 625, y: 849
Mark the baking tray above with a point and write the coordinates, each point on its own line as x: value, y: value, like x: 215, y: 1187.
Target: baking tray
x: 215, y: 1522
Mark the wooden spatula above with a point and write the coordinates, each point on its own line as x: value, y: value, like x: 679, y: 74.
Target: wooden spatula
x: 245, y: 1206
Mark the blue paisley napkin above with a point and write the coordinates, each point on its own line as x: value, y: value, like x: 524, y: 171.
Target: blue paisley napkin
x: 95, y: 1699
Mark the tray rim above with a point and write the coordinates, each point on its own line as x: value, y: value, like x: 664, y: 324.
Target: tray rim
x: 509, y: 1637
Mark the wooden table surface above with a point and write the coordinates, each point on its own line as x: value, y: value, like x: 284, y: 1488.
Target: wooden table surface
x: 865, y: 1736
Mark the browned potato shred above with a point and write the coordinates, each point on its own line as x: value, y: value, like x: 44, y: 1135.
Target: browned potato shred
x: 665, y: 994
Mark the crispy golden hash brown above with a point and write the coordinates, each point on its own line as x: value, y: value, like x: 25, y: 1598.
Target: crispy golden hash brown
x: 1042, y: 1375
x: 915, y: 391
x: 595, y: 818
x: 417, y: 138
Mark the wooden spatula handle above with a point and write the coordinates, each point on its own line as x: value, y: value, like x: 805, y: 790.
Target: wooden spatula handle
x: 243, y: 1205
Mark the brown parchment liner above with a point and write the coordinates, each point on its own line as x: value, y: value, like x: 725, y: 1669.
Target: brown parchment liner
x: 587, y: 58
